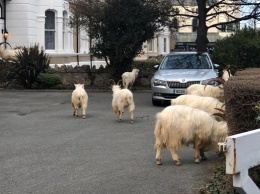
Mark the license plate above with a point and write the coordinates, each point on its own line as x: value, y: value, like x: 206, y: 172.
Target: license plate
x: 179, y: 91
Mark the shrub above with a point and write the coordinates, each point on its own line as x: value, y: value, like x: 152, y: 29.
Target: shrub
x: 145, y: 64
x: 257, y: 107
x: 47, y: 80
x: 240, y: 49
x: 5, y: 76
x: 29, y: 64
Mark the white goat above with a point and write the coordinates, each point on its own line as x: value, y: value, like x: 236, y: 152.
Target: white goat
x: 122, y: 98
x: 208, y: 90
x: 209, y: 104
x: 128, y: 78
x: 8, y: 54
x: 180, y: 125
x: 79, y: 99
x: 226, y: 74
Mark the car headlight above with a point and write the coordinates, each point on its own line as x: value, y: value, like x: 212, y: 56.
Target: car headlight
x: 204, y: 82
x: 158, y: 82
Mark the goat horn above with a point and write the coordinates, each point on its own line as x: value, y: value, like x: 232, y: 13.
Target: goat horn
x: 113, y: 81
x: 118, y: 83
x: 227, y: 67
x: 217, y: 79
x: 221, y: 110
x: 221, y: 115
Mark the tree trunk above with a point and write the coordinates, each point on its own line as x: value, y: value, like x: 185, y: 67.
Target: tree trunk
x: 202, y: 30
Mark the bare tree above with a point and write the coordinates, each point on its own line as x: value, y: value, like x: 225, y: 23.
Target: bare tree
x: 210, y: 10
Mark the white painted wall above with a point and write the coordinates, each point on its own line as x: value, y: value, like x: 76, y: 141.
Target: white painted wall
x: 25, y: 23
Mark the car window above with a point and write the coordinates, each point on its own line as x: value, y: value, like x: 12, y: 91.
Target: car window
x: 186, y: 62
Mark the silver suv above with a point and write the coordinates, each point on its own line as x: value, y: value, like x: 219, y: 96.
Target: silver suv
x: 179, y: 70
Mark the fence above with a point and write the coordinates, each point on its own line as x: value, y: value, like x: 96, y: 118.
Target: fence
x: 242, y: 152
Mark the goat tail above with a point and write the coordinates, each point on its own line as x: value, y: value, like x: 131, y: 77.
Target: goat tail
x: 160, y: 140
x: 130, y: 102
x: 158, y: 125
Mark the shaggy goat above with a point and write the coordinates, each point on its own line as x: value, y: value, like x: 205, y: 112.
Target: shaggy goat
x: 122, y: 98
x: 79, y: 99
x: 208, y: 104
x: 226, y: 74
x: 8, y: 54
x: 180, y: 125
x: 208, y: 90
x: 128, y: 78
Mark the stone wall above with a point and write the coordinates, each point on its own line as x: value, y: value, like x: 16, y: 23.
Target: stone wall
x: 97, y: 77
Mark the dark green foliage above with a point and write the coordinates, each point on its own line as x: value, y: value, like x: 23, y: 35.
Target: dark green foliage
x: 31, y: 61
x: 240, y: 49
x: 257, y: 107
x: 145, y: 64
x: 120, y: 28
x: 46, y: 80
x: 5, y: 73
x: 65, y: 87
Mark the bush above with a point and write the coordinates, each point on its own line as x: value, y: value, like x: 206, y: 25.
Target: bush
x: 5, y: 75
x: 240, y: 49
x: 29, y: 64
x: 46, y: 80
x: 258, y: 110
x: 145, y: 64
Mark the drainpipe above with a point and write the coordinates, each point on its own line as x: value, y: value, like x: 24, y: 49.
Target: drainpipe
x: 77, y: 41
x: 4, y: 31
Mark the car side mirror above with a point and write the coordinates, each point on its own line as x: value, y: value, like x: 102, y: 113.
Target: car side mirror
x: 156, y: 67
x: 216, y: 66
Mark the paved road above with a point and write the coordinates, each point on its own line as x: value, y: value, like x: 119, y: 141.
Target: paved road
x: 44, y: 149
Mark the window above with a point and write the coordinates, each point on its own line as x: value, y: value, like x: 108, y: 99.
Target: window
x: 228, y: 27
x: 175, y: 24
x: 64, y: 29
x: 164, y: 45
x: 1, y: 12
x: 194, y: 24
x: 150, y: 45
x: 49, y: 30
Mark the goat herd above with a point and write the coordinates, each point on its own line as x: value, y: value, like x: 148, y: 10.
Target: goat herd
x: 195, y: 118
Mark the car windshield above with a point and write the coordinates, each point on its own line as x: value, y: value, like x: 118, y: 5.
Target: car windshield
x: 187, y: 61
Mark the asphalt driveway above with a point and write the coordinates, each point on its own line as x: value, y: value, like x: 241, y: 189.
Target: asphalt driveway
x: 44, y: 149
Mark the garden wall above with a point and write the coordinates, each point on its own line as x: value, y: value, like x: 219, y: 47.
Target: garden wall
x: 98, y: 77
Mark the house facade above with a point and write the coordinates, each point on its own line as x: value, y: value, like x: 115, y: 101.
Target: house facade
x: 184, y: 38
x: 45, y: 22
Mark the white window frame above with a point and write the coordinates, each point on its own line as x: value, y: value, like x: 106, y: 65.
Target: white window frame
x: 52, y: 47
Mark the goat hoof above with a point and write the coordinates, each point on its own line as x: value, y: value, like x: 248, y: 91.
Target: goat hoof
x: 178, y: 163
x: 197, y: 161
x: 158, y: 162
x: 84, y: 117
x: 132, y: 121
